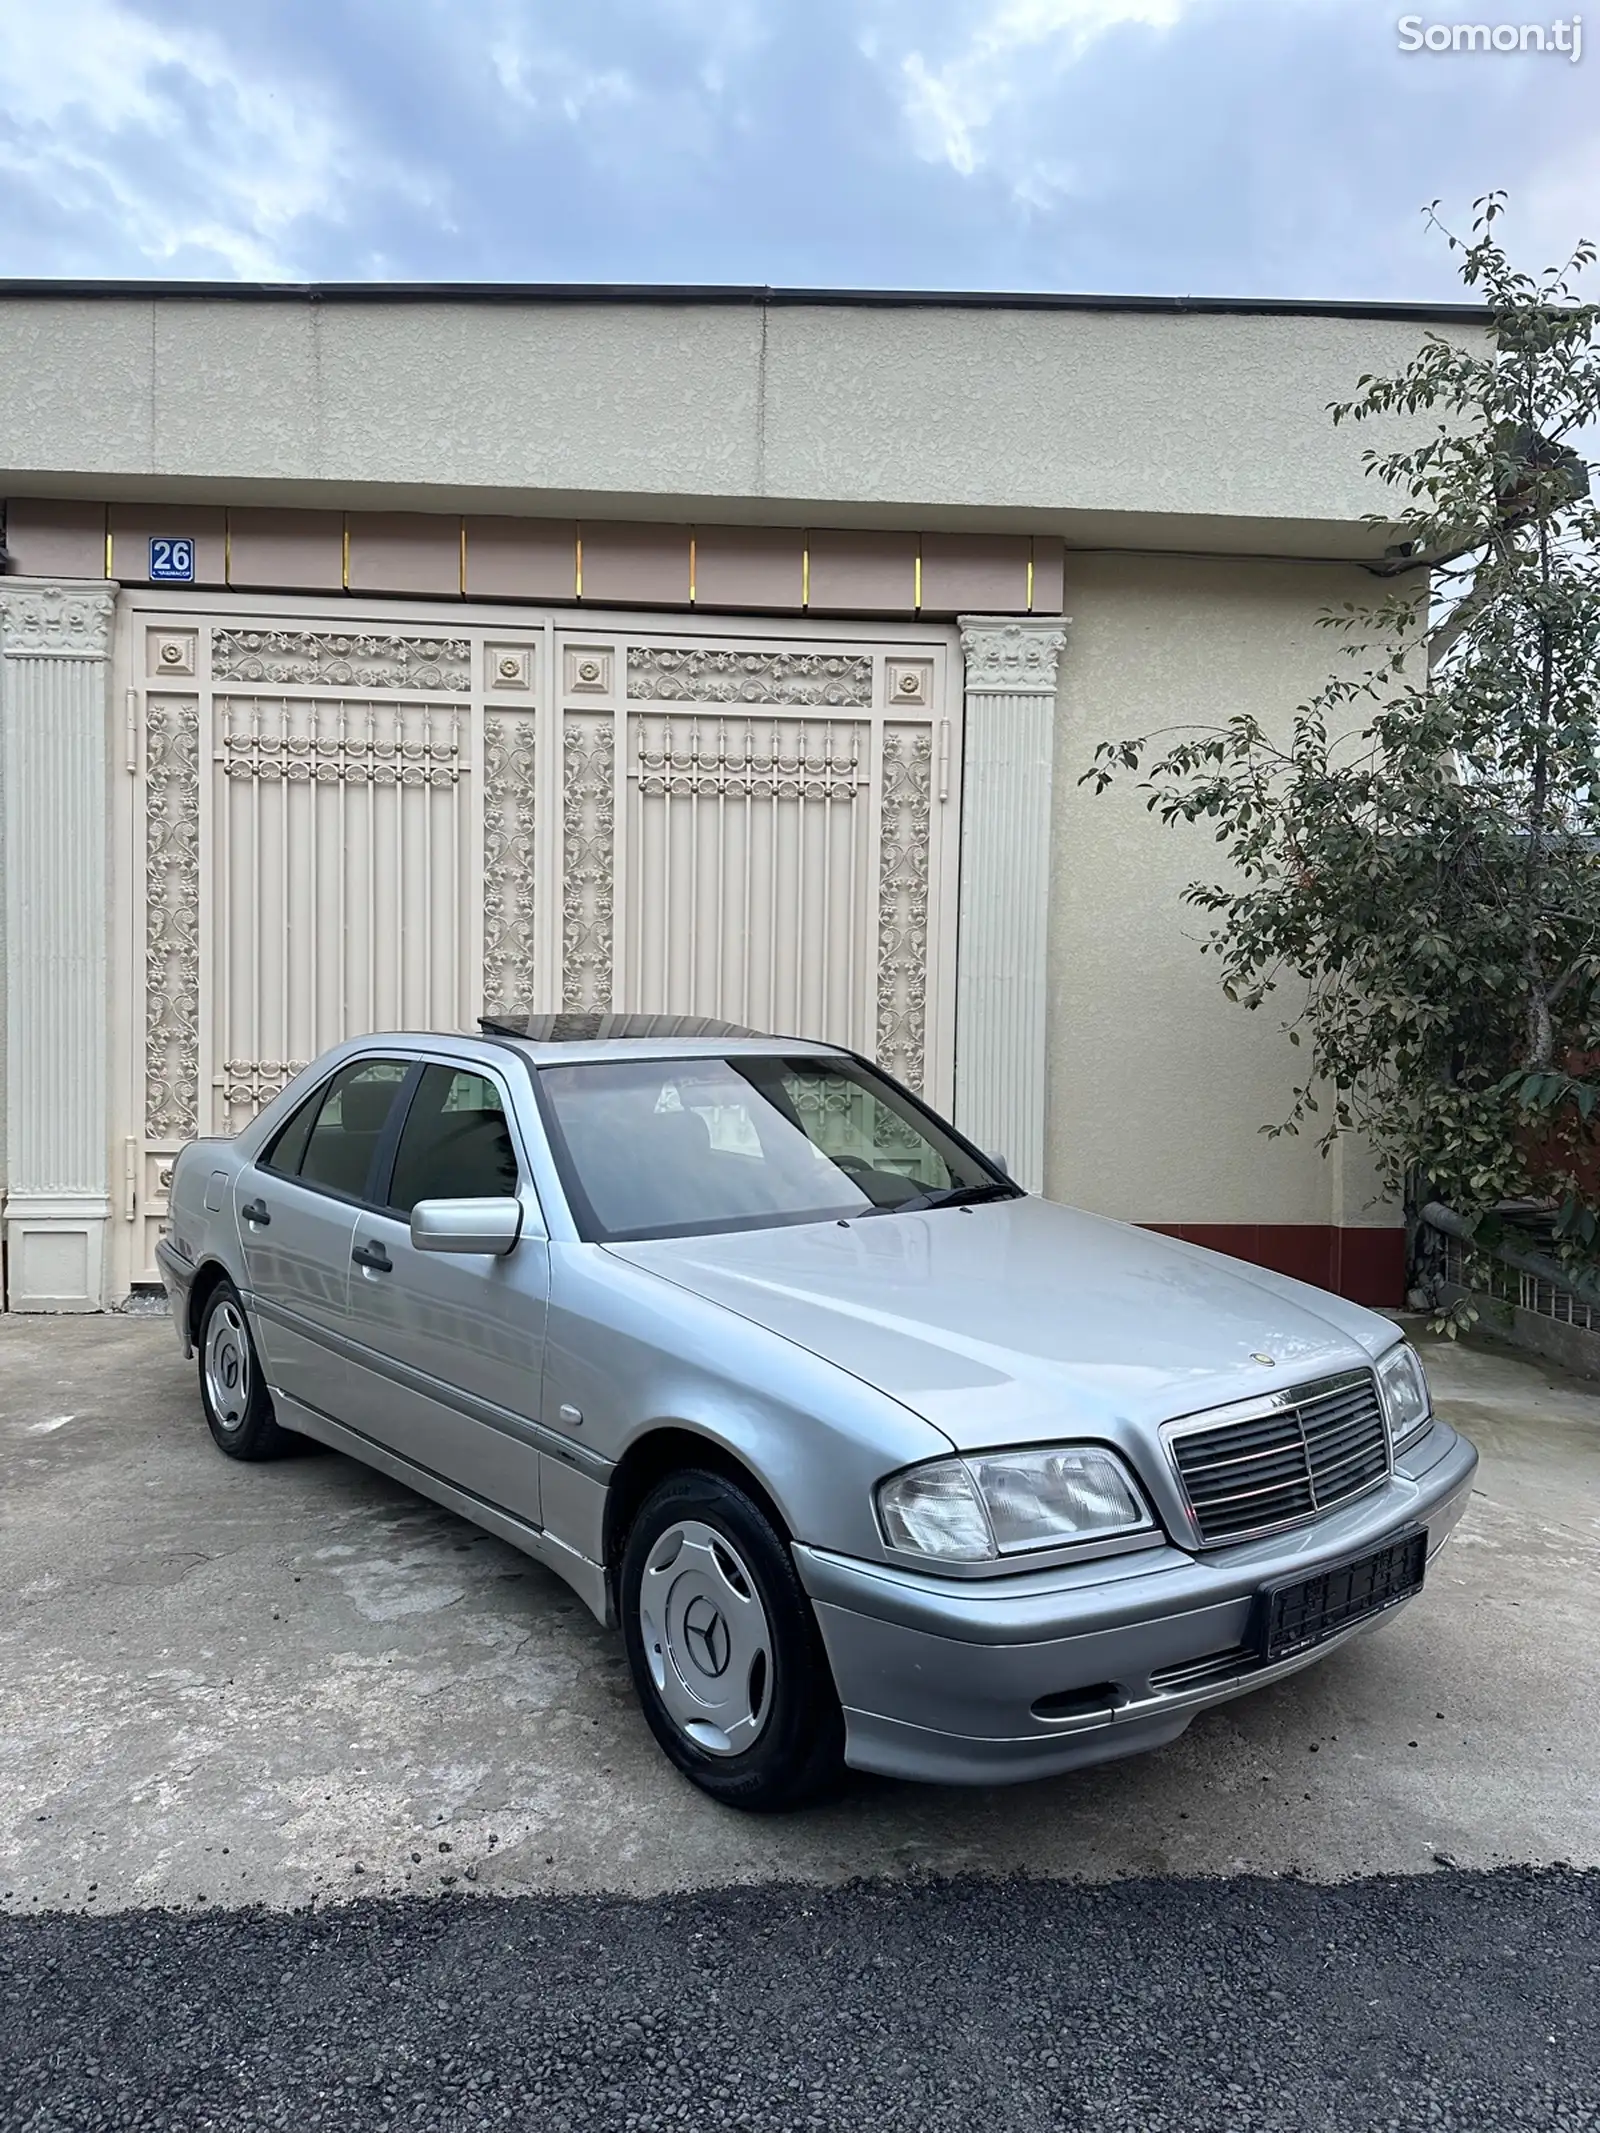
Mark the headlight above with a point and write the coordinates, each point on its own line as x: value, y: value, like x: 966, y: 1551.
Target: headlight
x: 1405, y: 1393
x: 1001, y: 1503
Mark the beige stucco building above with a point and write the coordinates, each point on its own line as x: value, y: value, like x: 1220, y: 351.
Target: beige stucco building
x: 374, y: 656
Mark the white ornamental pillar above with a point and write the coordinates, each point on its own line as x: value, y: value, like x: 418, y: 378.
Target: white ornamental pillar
x: 1011, y: 669
x: 55, y: 676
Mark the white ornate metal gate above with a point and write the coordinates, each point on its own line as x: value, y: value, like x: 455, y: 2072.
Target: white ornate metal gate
x: 382, y: 818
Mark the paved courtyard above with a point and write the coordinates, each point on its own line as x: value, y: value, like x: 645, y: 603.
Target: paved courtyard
x: 269, y: 1736
x: 271, y: 1684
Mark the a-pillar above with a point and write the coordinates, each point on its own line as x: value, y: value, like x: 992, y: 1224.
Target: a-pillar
x: 55, y: 666
x: 1011, y: 670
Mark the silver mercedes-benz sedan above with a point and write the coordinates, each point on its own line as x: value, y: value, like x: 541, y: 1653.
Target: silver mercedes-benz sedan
x: 875, y: 1458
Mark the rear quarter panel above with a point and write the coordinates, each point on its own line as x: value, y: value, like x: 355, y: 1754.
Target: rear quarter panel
x: 200, y: 1221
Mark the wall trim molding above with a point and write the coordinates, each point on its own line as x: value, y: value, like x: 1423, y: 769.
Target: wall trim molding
x: 766, y: 565
x: 1012, y: 669
x: 1012, y: 655
x: 41, y: 619
x: 55, y: 680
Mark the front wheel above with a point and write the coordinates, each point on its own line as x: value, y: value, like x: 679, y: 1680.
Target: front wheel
x: 238, y: 1406
x: 724, y: 1648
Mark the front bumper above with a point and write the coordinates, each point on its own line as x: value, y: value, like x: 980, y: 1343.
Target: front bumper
x: 943, y: 1679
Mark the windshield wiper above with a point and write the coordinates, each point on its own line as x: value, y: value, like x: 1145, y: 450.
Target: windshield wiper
x: 956, y: 1196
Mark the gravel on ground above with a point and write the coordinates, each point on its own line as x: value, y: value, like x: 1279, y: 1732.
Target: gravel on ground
x: 1453, y: 2000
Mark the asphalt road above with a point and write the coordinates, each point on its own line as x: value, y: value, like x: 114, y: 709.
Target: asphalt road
x: 1450, y: 2000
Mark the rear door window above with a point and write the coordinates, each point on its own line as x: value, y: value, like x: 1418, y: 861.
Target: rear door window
x: 336, y: 1152
x: 288, y: 1149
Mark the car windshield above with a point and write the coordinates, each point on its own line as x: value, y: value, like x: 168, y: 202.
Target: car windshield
x: 683, y: 1147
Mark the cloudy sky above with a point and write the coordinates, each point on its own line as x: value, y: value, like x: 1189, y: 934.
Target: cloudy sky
x: 1224, y: 147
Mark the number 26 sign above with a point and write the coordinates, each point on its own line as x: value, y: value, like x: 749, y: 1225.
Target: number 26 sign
x: 171, y: 561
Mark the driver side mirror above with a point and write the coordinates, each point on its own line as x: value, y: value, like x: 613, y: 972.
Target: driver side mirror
x: 466, y: 1226
x: 998, y: 1161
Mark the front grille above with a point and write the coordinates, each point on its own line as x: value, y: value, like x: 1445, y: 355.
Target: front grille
x: 1274, y: 1466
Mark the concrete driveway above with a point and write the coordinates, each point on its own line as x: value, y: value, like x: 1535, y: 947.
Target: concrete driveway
x: 267, y: 1684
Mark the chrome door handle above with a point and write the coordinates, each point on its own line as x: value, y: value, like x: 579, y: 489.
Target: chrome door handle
x: 374, y: 1258
x: 256, y: 1212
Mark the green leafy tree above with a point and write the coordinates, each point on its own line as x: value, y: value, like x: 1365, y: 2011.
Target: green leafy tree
x: 1415, y: 873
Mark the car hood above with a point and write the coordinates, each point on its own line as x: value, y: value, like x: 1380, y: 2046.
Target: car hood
x: 999, y: 1322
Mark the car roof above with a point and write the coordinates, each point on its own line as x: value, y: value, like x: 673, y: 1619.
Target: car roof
x: 585, y: 1025
x: 573, y: 1054
x: 584, y: 1036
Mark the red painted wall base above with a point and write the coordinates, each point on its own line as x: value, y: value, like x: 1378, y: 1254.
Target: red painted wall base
x: 1367, y: 1265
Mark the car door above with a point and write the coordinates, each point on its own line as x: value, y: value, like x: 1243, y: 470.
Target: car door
x: 296, y: 1208
x: 450, y: 1348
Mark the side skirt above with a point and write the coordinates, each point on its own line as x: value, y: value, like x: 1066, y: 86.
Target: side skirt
x: 588, y: 1580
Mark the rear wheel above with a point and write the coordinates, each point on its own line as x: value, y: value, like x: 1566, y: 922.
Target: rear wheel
x: 234, y: 1394
x: 724, y: 1648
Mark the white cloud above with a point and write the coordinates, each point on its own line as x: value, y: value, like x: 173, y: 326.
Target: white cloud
x: 942, y: 114
x: 951, y: 107
x: 546, y: 81
x: 687, y: 74
x: 111, y: 118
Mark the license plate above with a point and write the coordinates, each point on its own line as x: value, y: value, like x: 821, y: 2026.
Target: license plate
x: 1307, y: 1611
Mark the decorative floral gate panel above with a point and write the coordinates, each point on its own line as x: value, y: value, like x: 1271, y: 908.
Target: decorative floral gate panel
x: 765, y: 833
x: 393, y: 820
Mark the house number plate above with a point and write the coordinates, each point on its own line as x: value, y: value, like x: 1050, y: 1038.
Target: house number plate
x: 171, y: 561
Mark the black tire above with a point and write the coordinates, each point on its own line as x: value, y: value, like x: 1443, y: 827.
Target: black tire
x: 798, y: 1752
x: 233, y: 1392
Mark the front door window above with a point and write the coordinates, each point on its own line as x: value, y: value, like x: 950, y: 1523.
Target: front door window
x: 455, y: 1144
